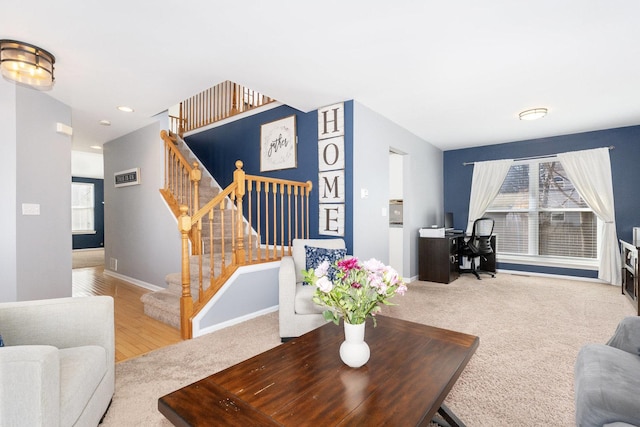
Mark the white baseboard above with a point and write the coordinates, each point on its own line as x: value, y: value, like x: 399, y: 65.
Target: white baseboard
x: 552, y: 276
x: 133, y: 281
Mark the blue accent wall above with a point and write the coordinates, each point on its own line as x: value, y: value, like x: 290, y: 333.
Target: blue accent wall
x: 625, y: 161
x: 219, y: 148
x: 87, y: 241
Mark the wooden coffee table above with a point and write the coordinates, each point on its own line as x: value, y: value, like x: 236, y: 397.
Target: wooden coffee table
x: 303, y: 382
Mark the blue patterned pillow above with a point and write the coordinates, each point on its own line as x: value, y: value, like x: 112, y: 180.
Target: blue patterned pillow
x: 315, y: 256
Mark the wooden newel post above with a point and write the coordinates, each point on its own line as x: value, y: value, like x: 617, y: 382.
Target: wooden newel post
x: 309, y: 188
x: 181, y: 122
x: 195, y: 176
x: 239, y: 180
x: 186, y: 302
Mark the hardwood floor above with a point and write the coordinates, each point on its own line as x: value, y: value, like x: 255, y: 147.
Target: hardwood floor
x: 135, y: 332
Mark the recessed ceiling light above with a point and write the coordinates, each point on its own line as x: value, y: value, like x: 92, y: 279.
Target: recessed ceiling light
x: 96, y: 147
x: 125, y: 109
x: 533, y: 114
x: 105, y: 122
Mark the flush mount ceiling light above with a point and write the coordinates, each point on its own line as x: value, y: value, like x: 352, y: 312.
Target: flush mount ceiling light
x: 125, y: 109
x: 26, y: 64
x: 533, y: 114
x: 105, y: 122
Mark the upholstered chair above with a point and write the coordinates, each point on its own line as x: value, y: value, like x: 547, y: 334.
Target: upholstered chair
x: 57, y: 365
x: 298, y: 313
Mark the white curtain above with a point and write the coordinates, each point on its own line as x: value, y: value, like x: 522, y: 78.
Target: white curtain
x: 590, y: 172
x: 485, y: 185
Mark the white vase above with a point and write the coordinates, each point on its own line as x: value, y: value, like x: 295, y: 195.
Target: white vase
x: 354, y: 352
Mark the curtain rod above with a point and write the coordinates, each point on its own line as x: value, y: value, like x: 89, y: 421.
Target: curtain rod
x: 611, y: 147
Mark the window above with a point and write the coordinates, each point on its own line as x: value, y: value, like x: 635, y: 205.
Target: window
x: 82, y: 208
x: 539, y: 213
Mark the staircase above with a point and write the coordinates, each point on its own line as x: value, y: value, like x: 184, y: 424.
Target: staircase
x: 164, y: 305
x: 215, y: 223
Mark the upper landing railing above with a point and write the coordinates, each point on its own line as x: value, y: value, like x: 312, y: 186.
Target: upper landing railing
x: 220, y: 102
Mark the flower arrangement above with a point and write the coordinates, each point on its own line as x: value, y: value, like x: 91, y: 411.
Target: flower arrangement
x: 352, y: 289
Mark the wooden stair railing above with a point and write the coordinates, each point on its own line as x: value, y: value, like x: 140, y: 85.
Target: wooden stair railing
x: 181, y: 183
x: 280, y: 210
x: 220, y: 102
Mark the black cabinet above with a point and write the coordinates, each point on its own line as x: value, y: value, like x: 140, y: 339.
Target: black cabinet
x: 438, y: 258
x: 629, y: 255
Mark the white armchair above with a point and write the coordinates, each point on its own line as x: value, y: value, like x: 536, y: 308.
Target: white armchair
x: 298, y: 313
x: 58, y: 364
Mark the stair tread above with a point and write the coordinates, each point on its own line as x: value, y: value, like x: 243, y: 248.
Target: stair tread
x: 164, y: 305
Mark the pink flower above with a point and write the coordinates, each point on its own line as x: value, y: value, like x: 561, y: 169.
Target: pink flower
x: 402, y: 288
x: 391, y: 275
x: 347, y: 264
x: 375, y: 280
x: 374, y: 266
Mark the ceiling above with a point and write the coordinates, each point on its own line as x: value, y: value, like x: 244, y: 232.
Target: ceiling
x: 454, y: 73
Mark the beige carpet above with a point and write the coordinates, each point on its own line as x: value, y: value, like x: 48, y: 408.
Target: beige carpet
x: 87, y: 258
x: 530, y: 331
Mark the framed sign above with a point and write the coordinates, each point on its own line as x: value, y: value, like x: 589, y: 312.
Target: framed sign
x: 278, y: 144
x: 128, y: 177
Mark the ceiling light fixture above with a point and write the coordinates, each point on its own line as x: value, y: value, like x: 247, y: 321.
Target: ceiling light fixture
x: 125, y: 109
x: 26, y: 64
x: 533, y: 114
x: 96, y: 147
x: 105, y: 122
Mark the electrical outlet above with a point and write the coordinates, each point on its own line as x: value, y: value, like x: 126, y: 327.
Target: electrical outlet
x: 113, y: 264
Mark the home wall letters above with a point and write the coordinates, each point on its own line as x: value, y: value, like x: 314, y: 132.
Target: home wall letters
x: 331, y: 170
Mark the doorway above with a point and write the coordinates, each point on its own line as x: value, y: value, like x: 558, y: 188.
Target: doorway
x: 397, y: 210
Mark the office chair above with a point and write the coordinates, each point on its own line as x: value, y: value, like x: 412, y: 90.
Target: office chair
x: 478, y: 245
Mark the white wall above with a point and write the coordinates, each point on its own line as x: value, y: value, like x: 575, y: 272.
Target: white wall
x: 36, y: 249
x: 396, y: 184
x: 140, y: 231
x: 87, y: 165
x: 8, y: 266
x: 374, y: 135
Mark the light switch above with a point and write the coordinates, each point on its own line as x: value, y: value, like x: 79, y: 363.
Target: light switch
x: 364, y: 193
x: 30, y: 209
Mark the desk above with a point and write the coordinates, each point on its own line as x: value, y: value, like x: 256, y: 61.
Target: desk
x: 304, y: 382
x: 439, y: 258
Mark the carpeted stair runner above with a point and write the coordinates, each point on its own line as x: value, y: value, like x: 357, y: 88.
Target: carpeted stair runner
x: 164, y: 305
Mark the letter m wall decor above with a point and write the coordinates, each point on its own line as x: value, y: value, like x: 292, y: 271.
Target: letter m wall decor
x: 331, y: 170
